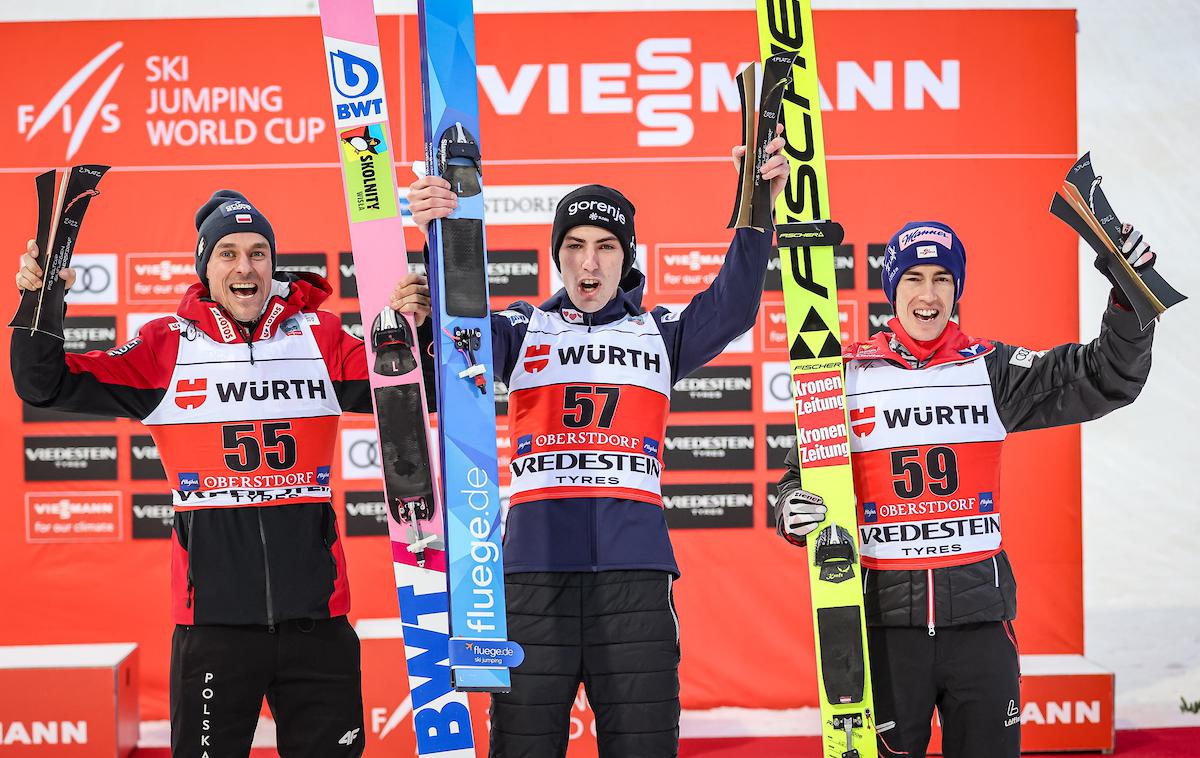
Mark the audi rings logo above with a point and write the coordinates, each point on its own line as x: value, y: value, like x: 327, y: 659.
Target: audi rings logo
x: 364, y: 453
x: 777, y: 387
x: 95, y: 279
x: 360, y: 454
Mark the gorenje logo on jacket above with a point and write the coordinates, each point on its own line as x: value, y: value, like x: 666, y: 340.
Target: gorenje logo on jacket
x: 588, y: 408
x: 925, y: 448
x: 234, y: 433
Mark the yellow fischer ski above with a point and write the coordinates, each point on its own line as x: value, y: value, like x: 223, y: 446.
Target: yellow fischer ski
x: 814, y: 335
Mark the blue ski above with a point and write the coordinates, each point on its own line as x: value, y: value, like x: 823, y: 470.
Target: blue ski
x: 480, y: 653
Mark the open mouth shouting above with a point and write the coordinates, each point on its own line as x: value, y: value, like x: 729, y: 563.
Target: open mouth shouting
x: 589, y: 286
x: 244, y: 290
x: 926, y: 315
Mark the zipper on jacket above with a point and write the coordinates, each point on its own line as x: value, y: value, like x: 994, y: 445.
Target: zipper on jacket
x: 929, y: 588
x: 996, y: 571
x: 191, y: 583
x: 592, y: 529
x: 262, y: 533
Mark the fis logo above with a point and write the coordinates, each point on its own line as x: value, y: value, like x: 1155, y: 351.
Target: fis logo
x: 537, y: 357
x: 189, y: 482
x: 650, y: 447
x: 323, y: 476
x: 972, y: 351
x: 59, y: 102
x: 191, y: 393
x: 987, y: 503
x: 870, y: 513
x: 525, y: 444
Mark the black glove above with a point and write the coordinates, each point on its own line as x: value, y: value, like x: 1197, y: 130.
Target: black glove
x: 1139, y: 255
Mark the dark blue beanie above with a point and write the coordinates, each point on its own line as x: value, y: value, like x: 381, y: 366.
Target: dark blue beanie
x: 921, y: 242
x: 227, y: 212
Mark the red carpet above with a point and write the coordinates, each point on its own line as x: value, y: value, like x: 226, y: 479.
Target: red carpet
x: 1140, y: 743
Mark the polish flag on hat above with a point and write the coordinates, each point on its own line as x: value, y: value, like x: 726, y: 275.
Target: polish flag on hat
x: 244, y: 218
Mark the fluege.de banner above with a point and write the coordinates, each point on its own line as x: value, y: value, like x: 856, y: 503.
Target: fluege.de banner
x: 967, y: 117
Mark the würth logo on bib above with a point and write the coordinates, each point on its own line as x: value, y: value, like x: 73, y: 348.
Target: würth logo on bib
x: 537, y: 357
x: 191, y: 393
x: 862, y: 420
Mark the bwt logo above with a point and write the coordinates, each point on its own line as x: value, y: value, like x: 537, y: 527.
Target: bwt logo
x: 31, y: 125
x: 354, y: 78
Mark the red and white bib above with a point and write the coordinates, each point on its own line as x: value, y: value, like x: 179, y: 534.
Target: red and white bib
x: 925, y: 450
x: 588, y: 408
x: 235, y: 433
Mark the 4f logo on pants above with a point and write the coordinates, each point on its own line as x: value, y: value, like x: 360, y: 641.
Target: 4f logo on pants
x: 349, y: 737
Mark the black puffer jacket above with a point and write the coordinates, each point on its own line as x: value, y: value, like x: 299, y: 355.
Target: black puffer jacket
x: 1068, y: 384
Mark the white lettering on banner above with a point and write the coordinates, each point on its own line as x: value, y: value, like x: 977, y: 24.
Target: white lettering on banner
x: 44, y: 733
x: 660, y: 91
x: 1064, y: 712
x: 196, y: 111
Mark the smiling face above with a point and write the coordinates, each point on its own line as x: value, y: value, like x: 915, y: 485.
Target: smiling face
x: 239, y: 274
x: 924, y: 297
x: 591, y: 260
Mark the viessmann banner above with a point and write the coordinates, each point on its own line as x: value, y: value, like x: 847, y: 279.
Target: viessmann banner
x: 967, y: 117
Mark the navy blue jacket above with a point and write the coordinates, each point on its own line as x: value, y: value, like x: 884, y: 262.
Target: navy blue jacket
x: 606, y: 534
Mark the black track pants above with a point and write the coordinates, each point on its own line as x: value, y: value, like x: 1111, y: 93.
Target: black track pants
x: 308, y: 670
x: 970, y: 672
x: 616, y: 631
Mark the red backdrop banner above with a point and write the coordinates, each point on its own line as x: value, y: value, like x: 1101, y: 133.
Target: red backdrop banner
x: 963, y: 116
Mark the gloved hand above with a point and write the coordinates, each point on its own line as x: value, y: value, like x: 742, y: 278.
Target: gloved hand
x: 1137, y: 251
x: 797, y: 513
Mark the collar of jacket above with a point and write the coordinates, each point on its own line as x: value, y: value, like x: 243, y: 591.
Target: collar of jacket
x: 305, y: 293
x: 953, y: 346
x: 627, y: 302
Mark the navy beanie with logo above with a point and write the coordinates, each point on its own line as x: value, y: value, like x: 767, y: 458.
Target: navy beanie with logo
x: 595, y: 205
x: 227, y: 212
x: 919, y: 243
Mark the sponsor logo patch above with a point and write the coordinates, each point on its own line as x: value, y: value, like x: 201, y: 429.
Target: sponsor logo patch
x: 1024, y: 357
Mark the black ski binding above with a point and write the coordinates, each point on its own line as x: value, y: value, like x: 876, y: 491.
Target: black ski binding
x: 412, y: 511
x: 467, y: 341
x: 834, y: 554
x: 459, y: 161
x: 392, y: 341
x: 408, y: 510
x: 848, y: 723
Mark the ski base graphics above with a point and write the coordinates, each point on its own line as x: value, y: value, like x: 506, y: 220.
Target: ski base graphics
x: 481, y: 654
x: 416, y: 522
x: 848, y: 728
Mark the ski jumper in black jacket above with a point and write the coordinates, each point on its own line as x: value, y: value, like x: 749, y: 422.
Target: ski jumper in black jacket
x: 245, y: 417
x: 939, y: 589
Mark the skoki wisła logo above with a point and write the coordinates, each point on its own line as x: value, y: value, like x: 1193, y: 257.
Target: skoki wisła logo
x: 62, y: 105
x: 355, y: 80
